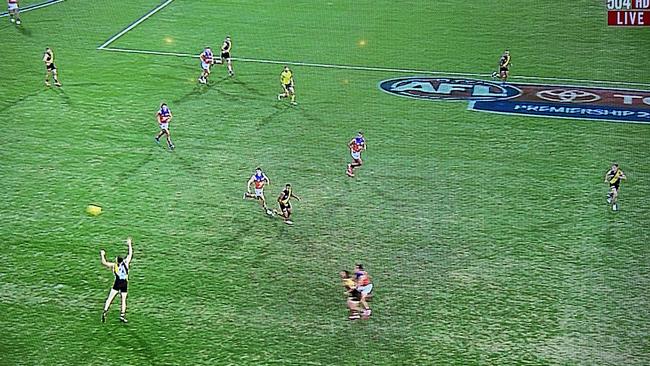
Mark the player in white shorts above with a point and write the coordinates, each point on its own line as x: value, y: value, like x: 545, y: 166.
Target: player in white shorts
x: 260, y: 180
x: 207, y: 59
x: 14, y: 12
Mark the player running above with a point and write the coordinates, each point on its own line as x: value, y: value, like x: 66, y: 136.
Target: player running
x: 225, y: 55
x: 286, y: 80
x: 260, y: 179
x: 121, y: 271
x: 356, y: 145
x: 207, y: 59
x: 50, y: 67
x: 285, y: 205
x: 614, y: 176
x: 504, y: 67
x: 164, y: 116
x: 14, y: 11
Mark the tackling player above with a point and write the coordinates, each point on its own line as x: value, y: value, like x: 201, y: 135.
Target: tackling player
x: 121, y: 271
x: 504, y: 67
x: 207, y: 59
x: 164, y: 116
x: 225, y: 54
x: 260, y: 179
x: 356, y: 145
x: 353, y: 295
x: 50, y: 67
x: 614, y: 176
x: 285, y: 205
x: 286, y: 80
x: 14, y: 12
x: 364, y: 286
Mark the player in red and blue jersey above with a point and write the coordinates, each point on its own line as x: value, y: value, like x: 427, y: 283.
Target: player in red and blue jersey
x: 207, y: 59
x: 164, y: 116
x: 260, y: 180
x: 356, y: 145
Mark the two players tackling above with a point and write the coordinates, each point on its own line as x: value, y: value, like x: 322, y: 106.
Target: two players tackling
x: 359, y: 291
x: 50, y: 67
x: 356, y: 146
x: 164, y: 116
x: 260, y: 180
x: 286, y: 80
x: 13, y: 11
x: 613, y: 177
x: 120, y: 269
x: 504, y: 67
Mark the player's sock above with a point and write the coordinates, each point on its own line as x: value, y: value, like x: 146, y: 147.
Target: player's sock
x: 104, y: 316
x: 615, y: 207
x: 123, y: 318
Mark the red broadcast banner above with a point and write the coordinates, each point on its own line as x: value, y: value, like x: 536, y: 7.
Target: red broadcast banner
x: 628, y: 18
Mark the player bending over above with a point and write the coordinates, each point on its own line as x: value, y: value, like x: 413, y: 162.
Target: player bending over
x: 207, y: 59
x: 121, y: 271
x: 356, y: 145
x: 14, y: 11
x: 286, y: 80
x: 260, y: 180
x: 285, y: 204
x: 50, y: 67
x: 164, y: 116
x: 614, y: 176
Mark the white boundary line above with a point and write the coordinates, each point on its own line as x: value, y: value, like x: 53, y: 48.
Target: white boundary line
x: 385, y: 69
x: 134, y: 24
x: 26, y: 9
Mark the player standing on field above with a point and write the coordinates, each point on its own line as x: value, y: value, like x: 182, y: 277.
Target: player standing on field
x: 614, y: 176
x: 14, y: 11
x: 50, y: 67
x: 164, y: 116
x: 504, y: 67
x: 286, y: 80
x: 207, y: 59
x: 260, y: 179
x: 356, y: 146
x: 225, y: 54
x: 121, y: 271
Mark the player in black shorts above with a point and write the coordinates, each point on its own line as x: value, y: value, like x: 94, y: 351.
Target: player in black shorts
x: 504, y: 66
x: 614, y: 176
x: 121, y: 271
x: 50, y: 67
x: 285, y: 205
x: 225, y: 54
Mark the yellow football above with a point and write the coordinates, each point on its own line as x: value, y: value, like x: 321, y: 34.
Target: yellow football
x: 93, y: 210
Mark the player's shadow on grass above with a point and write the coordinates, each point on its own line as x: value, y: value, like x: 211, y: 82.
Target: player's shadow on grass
x: 279, y: 111
x: 62, y: 95
x: 197, y: 91
x: 25, y: 31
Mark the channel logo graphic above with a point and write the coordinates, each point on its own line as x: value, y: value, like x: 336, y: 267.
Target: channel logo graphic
x: 536, y: 100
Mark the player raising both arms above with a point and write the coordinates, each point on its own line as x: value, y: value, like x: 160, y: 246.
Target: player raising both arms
x: 207, y: 59
x: 14, y: 11
x: 121, y: 271
x: 614, y: 176
x: 50, y: 67
x: 285, y: 205
x: 225, y: 55
x: 356, y: 145
x: 286, y: 80
x: 164, y: 116
x: 260, y: 179
x: 504, y: 67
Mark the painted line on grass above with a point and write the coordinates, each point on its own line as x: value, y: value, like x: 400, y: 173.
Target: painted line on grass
x: 134, y: 24
x: 33, y: 7
x: 382, y: 69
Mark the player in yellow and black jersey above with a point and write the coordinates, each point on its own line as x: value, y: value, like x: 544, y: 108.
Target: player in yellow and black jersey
x: 286, y: 80
x: 120, y: 269
x: 614, y: 176
x: 285, y: 204
x: 50, y: 67
x: 505, y: 61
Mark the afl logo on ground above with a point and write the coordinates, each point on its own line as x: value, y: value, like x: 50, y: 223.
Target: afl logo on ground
x: 449, y: 89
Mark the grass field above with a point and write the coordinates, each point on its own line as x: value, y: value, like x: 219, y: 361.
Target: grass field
x: 488, y: 237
